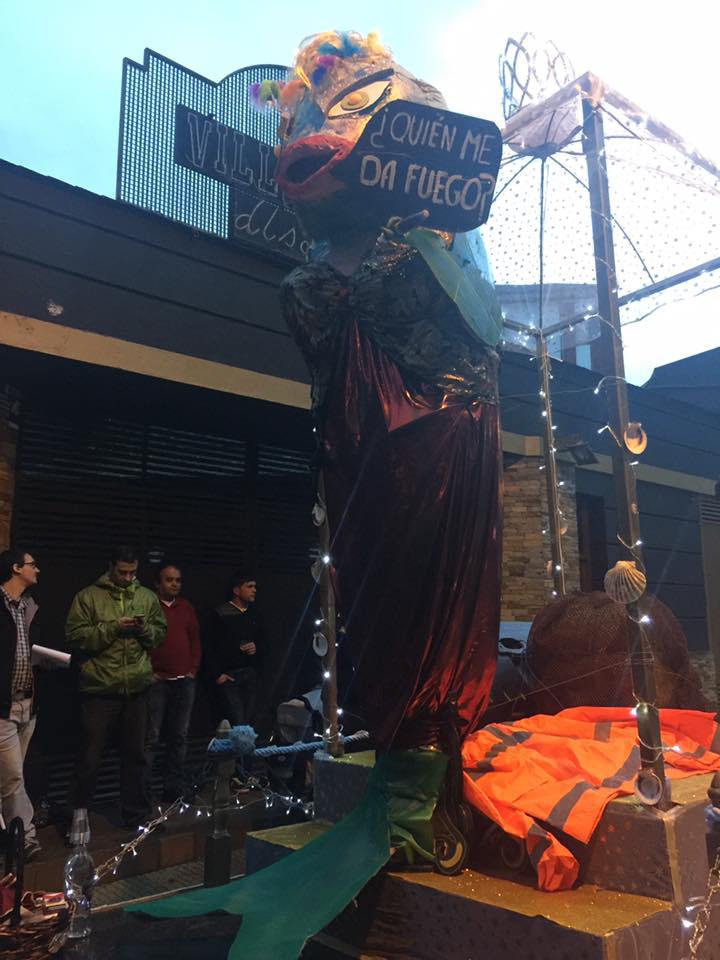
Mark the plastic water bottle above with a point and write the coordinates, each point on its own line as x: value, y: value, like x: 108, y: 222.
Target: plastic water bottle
x: 79, y: 877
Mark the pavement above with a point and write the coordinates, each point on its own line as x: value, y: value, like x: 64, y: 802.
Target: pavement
x: 167, y: 862
x: 120, y: 936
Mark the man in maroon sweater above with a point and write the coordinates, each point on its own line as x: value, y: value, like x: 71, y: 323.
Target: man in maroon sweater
x: 175, y: 666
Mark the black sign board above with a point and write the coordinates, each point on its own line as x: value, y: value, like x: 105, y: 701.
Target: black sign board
x: 266, y: 222
x: 412, y: 157
x: 259, y: 214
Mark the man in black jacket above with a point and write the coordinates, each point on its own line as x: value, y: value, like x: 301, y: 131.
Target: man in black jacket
x: 234, y: 646
x: 18, y: 571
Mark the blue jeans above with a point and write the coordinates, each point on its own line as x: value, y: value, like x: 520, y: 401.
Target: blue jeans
x: 170, y: 703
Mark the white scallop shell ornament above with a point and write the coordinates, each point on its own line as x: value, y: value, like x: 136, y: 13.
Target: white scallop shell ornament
x: 624, y: 582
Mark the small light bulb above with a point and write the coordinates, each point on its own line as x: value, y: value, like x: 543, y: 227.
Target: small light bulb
x: 326, y: 558
x: 638, y: 543
x: 339, y: 711
x: 645, y: 619
x: 318, y: 622
x: 544, y: 413
x: 596, y: 391
x: 326, y: 675
x: 558, y: 566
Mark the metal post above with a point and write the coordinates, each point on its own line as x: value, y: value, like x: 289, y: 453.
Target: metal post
x: 218, y: 846
x: 613, y: 365
x: 551, y: 476
x: 331, y: 732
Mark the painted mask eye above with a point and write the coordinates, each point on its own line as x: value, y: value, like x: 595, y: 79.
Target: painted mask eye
x: 359, y: 99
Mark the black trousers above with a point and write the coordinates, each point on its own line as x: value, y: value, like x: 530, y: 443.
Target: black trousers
x: 236, y: 697
x: 98, y: 715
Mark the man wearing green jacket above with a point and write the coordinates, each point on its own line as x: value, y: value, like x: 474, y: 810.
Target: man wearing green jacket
x: 112, y: 626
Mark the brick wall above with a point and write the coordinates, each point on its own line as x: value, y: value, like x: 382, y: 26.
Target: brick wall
x: 8, y: 446
x: 527, y: 579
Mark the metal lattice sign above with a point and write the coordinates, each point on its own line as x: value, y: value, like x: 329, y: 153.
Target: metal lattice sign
x: 181, y: 180
x: 258, y: 214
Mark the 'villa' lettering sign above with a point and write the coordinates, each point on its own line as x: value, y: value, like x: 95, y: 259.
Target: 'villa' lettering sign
x: 259, y: 213
x: 412, y: 157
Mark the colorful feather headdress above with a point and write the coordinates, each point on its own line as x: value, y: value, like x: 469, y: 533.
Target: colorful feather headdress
x: 317, y: 56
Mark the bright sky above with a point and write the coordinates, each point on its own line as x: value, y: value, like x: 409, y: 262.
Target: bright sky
x: 60, y: 72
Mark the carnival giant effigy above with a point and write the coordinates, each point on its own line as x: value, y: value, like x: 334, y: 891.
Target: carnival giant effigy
x: 398, y: 323
x: 405, y: 405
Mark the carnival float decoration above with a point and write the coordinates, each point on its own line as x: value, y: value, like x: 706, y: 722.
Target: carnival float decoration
x: 398, y: 321
x: 624, y: 582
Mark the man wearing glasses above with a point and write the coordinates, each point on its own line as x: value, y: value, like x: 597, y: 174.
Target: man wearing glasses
x: 18, y: 572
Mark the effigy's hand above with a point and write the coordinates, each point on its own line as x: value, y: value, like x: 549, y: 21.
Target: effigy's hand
x: 397, y: 227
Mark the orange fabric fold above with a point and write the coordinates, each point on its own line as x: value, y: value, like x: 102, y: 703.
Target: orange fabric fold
x: 557, y: 773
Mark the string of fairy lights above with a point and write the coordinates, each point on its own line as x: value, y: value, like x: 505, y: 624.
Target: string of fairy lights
x: 268, y: 797
x: 547, y: 417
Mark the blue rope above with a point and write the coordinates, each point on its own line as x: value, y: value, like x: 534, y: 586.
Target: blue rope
x: 226, y: 746
x: 302, y: 747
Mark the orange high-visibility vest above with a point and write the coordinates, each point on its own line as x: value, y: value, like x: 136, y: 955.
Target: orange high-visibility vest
x: 559, y: 772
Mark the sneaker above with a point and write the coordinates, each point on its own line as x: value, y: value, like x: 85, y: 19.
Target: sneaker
x: 32, y: 850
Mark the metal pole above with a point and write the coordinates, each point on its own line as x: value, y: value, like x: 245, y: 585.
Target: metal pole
x: 551, y: 476
x: 613, y: 364
x: 333, y: 743
x: 544, y: 375
x: 218, y: 846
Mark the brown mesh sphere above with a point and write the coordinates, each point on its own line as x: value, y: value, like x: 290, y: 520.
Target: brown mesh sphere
x: 578, y: 655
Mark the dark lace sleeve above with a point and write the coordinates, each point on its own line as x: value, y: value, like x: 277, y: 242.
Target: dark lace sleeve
x: 401, y: 305
x: 314, y: 304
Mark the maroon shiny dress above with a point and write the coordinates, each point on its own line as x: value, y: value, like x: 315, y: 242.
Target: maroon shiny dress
x: 405, y: 398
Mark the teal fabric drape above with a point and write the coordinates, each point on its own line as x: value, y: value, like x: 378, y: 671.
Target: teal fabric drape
x: 286, y: 903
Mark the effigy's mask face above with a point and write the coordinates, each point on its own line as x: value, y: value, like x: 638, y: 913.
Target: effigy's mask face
x: 320, y: 130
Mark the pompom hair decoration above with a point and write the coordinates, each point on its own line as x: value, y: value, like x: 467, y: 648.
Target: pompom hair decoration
x: 319, y: 53
x: 323, y: 64
x: 266, y: 92
x: 291, y: 91
x: 348, y: 47
x: 375, y: 46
